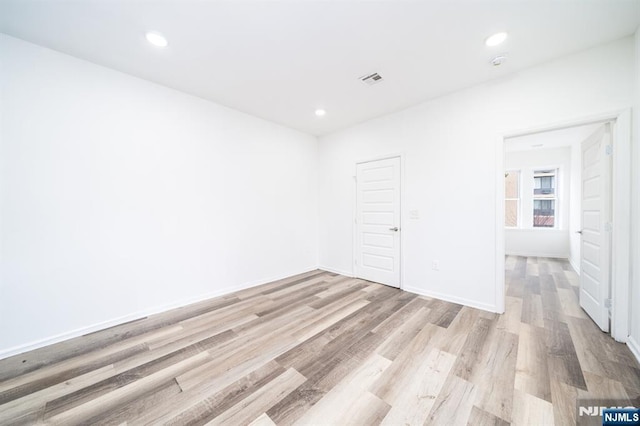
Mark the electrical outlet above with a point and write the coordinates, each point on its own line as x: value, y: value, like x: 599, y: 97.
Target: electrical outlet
x: 435, y: 265
x: 414, y: 214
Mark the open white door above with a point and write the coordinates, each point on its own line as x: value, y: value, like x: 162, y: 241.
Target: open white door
x: 377, y: 248
x: 595, y: 262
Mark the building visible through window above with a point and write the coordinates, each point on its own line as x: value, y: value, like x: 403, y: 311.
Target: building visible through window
x: 544, y: 198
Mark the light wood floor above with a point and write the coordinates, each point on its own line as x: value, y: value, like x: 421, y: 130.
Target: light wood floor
x: 325, y: 349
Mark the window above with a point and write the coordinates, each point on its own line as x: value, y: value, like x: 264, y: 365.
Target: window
x: 544, y: 198
x: 512, y: 198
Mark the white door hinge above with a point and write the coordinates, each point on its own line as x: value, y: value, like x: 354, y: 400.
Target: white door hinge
x: 608, y: 226
x: 607, y: 303
x: 608, y: 150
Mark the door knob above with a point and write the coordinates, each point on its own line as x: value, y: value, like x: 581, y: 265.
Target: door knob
x: 394, y: 229
x: 579, y: 232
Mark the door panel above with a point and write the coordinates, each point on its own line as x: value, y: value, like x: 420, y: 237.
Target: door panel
x: 596, y: 239
x: 377, y: 248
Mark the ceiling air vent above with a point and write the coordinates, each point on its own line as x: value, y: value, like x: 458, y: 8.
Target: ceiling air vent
x: 371, y: 79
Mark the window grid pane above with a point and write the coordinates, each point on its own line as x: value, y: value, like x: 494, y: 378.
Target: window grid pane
x: 544, y: 198
x: 544, y: 183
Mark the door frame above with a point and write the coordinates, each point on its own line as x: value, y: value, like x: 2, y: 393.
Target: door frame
x: 354, y: 236
x: 621, y: 212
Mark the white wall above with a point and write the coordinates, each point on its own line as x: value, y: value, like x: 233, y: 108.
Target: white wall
x: 527, y: 240
x: 120, y: 197
x: 634, y: 340
x: 451, y: 173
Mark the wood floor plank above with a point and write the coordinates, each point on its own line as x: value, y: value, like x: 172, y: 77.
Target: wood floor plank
x: 390, y: 385
x: 532, y: 372
x: 38, y: 380
x: 495, y: 378
x: 102, y: 340
x: 561, y: 355
x: 339, y: 402
x: 326, y: 300
x: 561, y: 281
x: 515, y: 287
x: 532, y: 312
x: 204, y: 339
x: 468, y: 358
x: 205, y: 407
x: 454, y: 403
x: 268, y: 395
x: 279, y: 284
x: 68, y: 401
x: 416, y: 397
x: 602, y: 388
x: 107, y: 402
x: 243, y: 376
x: 458, y: 330
x: 570, y: 304
x: 563, y: 397
x: 128, y: 412
x: 480, y: 417
x: 262, y: 420
x: 443, y: 313
x: 367, y: 409
x: 529, y: 410
x: 334, y: 364
x: 403, y: 334
x: 251, y: 352
x: 322, y: 377
x: 510, y: 320
x: 329, y: 320
x: 344, y: 283
x: 398, y: 318
x: 20, y: 410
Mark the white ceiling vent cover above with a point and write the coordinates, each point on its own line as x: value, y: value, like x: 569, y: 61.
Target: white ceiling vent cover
x: 371, y: 79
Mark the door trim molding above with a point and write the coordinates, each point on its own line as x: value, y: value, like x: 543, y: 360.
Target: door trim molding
x: 354, y: 206
x: 621, y: 214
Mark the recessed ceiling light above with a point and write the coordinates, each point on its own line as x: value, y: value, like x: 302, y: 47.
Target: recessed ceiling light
x: 156, y: 39
x: 320, y: 112
x: 496, y: 39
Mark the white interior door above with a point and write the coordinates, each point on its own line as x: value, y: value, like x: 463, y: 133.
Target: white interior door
x: 377, y: 248
x: 595, y: 261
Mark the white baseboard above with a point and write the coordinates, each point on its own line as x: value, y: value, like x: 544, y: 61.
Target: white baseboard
x: 576, y: 267
x: 422, y: 292
x: 336, y: 271
x: 551, y: 256
x: 36, y: 344
x: 634, y: 346
x: 452, y: 299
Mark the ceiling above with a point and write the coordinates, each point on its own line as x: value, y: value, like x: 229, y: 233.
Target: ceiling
x: 280, y: 60
x: 560, y: 138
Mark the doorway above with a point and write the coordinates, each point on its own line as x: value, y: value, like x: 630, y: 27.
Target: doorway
x: 612, y: 297
x: 378, y: 228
